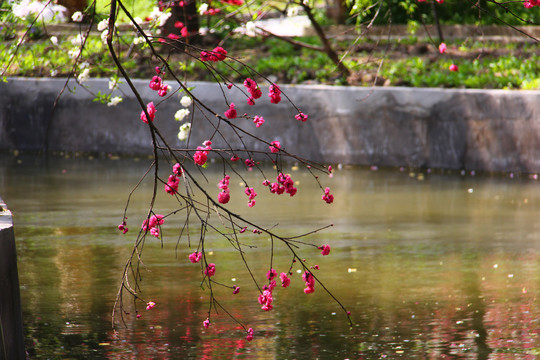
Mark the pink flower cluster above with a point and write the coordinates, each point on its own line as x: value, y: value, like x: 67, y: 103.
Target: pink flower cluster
x: 206, y: 323
x: 172, y: 184
x: 285, y: 280
x: 250, y: 192
x: 531, y: 3
x: 258, y: 121
x: 284, y: 184
x: 253, y: 90
x: 325, y: 249
x: 153, y: 224
x: 275, y: 146
x: 301, y: 117
x: 310, y: 282
x: 195, y: 257
x: 123, y: 227
x: 201, y: 155
x: 210, y: 270
x: 151, y: 110
x: 224, y: 196
x: 230, y: 113
x: 442, y: 48
x: 157, y: 83
x: 274, y: 93
x: 249, y: 336
x: 329, y: 198
x: 150, y: 305
x: 218, y: 54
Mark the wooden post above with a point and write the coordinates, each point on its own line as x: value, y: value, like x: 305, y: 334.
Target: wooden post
x: 11, y: 328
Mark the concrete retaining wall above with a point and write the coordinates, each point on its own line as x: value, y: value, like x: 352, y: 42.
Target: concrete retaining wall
x: 491, y: 130
x: 11, y: 329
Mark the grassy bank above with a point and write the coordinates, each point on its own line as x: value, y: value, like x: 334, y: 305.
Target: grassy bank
x: 406, y: 62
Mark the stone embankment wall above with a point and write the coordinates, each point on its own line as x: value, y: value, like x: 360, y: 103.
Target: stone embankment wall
x: 486, y: 130
x: 11, y: 328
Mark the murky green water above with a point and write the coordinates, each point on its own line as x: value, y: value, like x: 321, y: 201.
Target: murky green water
x: 441, y: 266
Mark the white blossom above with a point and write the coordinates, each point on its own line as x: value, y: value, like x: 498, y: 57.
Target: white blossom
x: 104, y: 35
x: 103, y: 24
x: 115, y: 101
x: 185, y: 101
x: 251, y: 28
x: 159, y: 17
x: 43, y: 12
x: 203, y: 8
x: 138, y: 40
x: 85, y: 75
x: 74, y: 52
x: 184, y: 132
x: 78, y: 40
x: 54, y: 40
x: 77, y: 16
x: 113, y: 83
x: 181, y: 114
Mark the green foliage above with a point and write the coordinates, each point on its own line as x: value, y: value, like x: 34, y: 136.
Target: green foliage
x: 450, y: 12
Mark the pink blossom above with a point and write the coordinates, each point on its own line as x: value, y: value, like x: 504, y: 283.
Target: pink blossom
x: 154, y: 221
x: 251, y: 203
x: 200, y: 157
x: 329, y: 198
x: 195, y: 257
x: 440, y: 1
x: 236, y: 290
x: 442, y: 48
x: 275, y: 146
x: 274, y: 93
x: 250, y: 163
x: 224, y: 197
x: 258, y: 121
x: 285, y: 280
x: 301, y: 117
x: 271, y: 274
x: 154, y: 231
x: 173, y: 36
x: 122, y: 227
x: 172, y: 185
x: 218, y: 54
x: 210, y: 270
x: 249, y: 336
x: 250, y: 84
x: 250, y: 101
x: 250, y: 192
x: 163, y: 90
x: 177, y: 169
x: 139, y: 316
x: 155, y: 83
x: 235, y: 158
x: 150, y: 305
x: 231, y: 112
x: 151, y: 110
x: 265, y: 299
x: 310, y: 282
x: 224, y: 183
x: 453, y: 67
x: 206, y: 323
x: 325, y: 249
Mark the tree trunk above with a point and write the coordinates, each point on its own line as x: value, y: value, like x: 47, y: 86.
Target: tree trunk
x: 74, y: 5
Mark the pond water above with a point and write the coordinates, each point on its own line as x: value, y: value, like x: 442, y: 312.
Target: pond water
x: 431, y: 266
